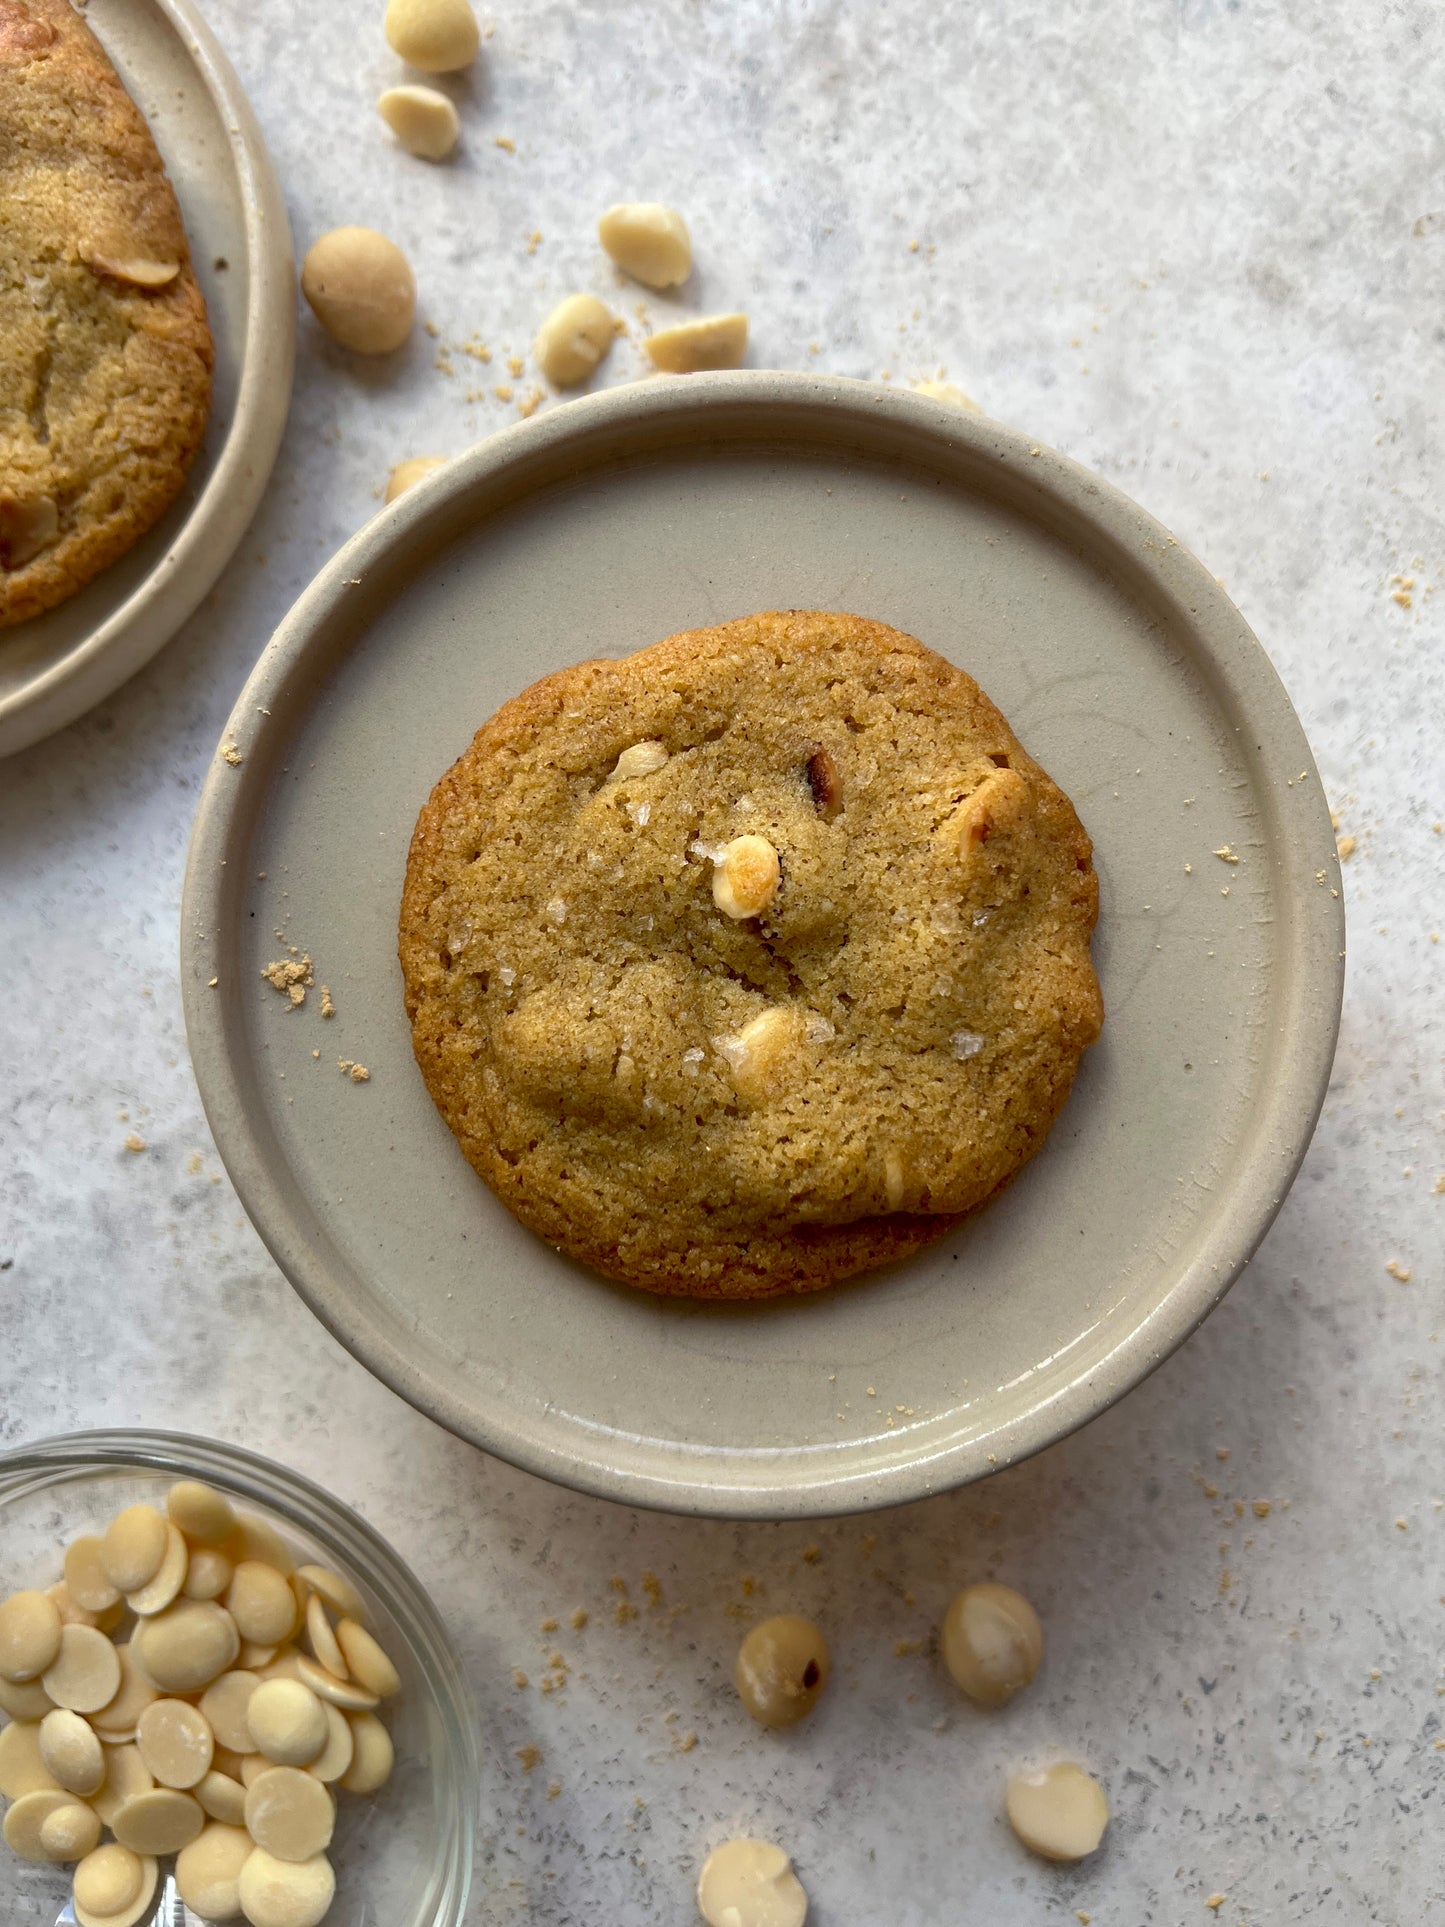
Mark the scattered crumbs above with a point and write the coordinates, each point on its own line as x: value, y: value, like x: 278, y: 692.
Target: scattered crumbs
x: 534, y: 240
x: 906, y: 1648
x: 1221, y: 1452
x: 515, y: 364
x: 871, y: 1392
x: 812, y: 1554
x: 1400, y: 587
x: 193, y: 1164
x: 291, y: 976
x: 1345, y: 847
x: 748, y: 1585
x: 432, y: 329
x: 519, y: 1680
x: 1226, y: 1580
x: 134, y: 1143
x: 1397, y: 1270
x: 230, y: 754
x: 1080, y: 1915
x: 913, y: 247
x: 530, y: 1756
x: 652, y: 1586
x: 1402, y: 1525
x: 549, y: 1625
x: 1262, y: 1508
x: 505, y: 142
x: 530, y: 403
x: 328, y: 1008
x: 625, y: 1611
x: 1215, y: 1902
x: 1225, y: 854
x: 685, y: 1742
x: 442, y: 362
x: 619, y: 1584
x: 478, y: 350
x: 358, y: 1073
x: 1440, y: 1185
x: 554, y: 1788
x: 503, y: 391
x: 579, y: 1618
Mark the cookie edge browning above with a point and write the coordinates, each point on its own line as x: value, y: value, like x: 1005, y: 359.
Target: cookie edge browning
x: 64, y: 568
x: 808, y: 1258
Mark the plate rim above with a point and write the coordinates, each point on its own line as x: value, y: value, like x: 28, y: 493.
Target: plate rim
x: 134, y: 631
x: 1303, y: 843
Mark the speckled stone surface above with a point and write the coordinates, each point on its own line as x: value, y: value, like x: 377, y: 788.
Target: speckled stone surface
x: 1201, y: 248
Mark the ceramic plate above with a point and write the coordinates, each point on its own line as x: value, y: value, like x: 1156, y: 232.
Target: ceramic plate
x: 595, y: 530
x: 56, y: 666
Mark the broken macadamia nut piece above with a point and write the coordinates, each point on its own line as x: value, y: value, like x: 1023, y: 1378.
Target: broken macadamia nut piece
x: 992, y: 1642
x: 945, y: 392
x: 27, y: 526
x: 424, y: 121
x: 408, y: 473
x: 714, y: 341
x: 1059, y: 1813
x: 782, y: 1667
x: 574, y: 338
x: 648, y: 241
x: 360, y: 287
x: 438, y: 36
x: 750, y: 1883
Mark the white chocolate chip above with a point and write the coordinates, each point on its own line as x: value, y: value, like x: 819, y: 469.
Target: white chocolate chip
x: 336, y: 1756
x: 324, y: 1646
x: 648, y: 241
x: 27, y: 1701
x: 24, y: 1821
x: 639, y: 759
x: 750, y: 1883
x: 261, y: 1602
x: 158, y: 1593
x: 1059, y: 1813
x: 176, y: 1743
x: 208, y: 1871
x: 945, y: 391
x: 206, y: 1516
x: 161, y: 1821
x: 71, y: 1752
x: 408, y: 473
x: 116, y: 1720
x: 574, y: 338
x: 287, y: 1721
x: 85, y: 1674
x: 223, y: 1798
x: 187, y: 1646
x: 360, y: 287
x: 992, y: 1642
x: 133, y: 1547
x: 438, y: 36
x: 125, y: 1777
x: 894, y: 1186
x: 338, y: 1592
x: 713, y: 341
x: 280, y: 1893
x: 70, y: 1832
x: 348, y: 1694
x: 366, y: 1661
x: 257, y: 1538
x: 423, y: 120
x: 86, y: 1579
x: 22, y: 1764
x: 72, y: 1614
x: 103, y: 1876
x: 746, y: 878
x: 373, y: 1754
x: 30, y: 1632
x: 290, y: 1814
x: 208, y: 1574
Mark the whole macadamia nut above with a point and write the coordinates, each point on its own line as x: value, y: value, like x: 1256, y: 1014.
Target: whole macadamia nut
x: 992, y: 1642
x: 361, y: 289
x: 439, y: 36
x: 782, y: 1667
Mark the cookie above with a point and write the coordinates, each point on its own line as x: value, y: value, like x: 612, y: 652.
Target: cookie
x: 753, y: 960
x: 105, y: 355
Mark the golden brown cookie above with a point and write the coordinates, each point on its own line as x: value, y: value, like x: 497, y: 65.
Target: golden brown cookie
x: 105, y: 356
x: 752, y: 960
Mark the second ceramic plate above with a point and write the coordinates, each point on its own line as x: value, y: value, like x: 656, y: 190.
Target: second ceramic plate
x: 595, y: 530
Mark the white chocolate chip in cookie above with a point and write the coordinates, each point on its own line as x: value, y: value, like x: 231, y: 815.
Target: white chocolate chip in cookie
x: 574, y: 338
x: 713, y: 341
x: 750, y: 1883
x: 746, y: 877
x: 895, y: 1187
x: 648, y: 241
x: 639, y: 759
x: 770, y: 1050
x: 1059, y: 1813
x: 424, y: 121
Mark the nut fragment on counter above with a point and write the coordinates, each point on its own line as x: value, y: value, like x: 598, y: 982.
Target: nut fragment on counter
x: 360, y: 287
x: 574, y: 338
x: 648, y: 241
x: 782, y: 1667
x: 750, y: 1883
x: 424, y: 121
x: 992, y: 1642
x: 1059, y: 1813
x: 438, y: 36
x: 406, y: 475
x: 713, y: 341
x: 946, y: 392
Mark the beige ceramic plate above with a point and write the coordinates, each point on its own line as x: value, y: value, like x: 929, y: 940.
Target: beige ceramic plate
x: 55, y: 667
x: 595, y: 530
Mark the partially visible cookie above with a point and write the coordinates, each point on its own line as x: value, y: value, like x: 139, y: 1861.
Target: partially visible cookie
x: 105, y: 355
x: 752, y: 960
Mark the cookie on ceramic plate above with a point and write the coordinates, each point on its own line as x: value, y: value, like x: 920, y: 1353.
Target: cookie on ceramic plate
x: 753, y: 960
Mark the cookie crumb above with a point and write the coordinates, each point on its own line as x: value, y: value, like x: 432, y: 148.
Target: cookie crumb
x: 812, y: 1554
x: 503, y: 391
x: 328, y: 1008
x: 906, y: 1648
x: 519, y: 1680
x: 1221, y: 1452
x: 530, y: 1756
x: 1225, y: 854
x: 1345, y: 847
x: 549, y: 1625
x: 1397, y: 1270
x: 686, y: 1742
x: 135, y: 1143
x: 1215, y: 1902
x: 554, y: 1787
x: 580, y: 1617
x: 232, y: 755
x: 505, y: 142
x: 1262, y: 1508
x: 358, y: 1073
x: 291, y: 976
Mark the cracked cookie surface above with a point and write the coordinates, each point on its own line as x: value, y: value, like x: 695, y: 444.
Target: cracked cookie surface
x: 105, y: 354
x: 709, y: 1074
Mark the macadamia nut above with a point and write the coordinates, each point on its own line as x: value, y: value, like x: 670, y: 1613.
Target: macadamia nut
x: 648, y: 241
x: 945, y: 391
x: 574, y: 338
x: 750, y: 1883
x: 438, y: 36
x: 408, y: 473
x: 782, y: 1667
x: 1059, y: 1813
x: 360, y: 287
x: 992, y: 1642
x: 714, y: 341
x: 423, y: 120
x: 746, y: 877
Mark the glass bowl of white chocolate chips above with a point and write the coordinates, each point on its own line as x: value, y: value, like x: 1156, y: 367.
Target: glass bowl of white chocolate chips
x: 223, y: 1697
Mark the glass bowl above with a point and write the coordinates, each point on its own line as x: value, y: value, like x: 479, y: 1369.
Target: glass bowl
x: 403, y: 1856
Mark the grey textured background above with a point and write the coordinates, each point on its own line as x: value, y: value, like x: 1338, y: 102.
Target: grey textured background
x: 1202, y: 248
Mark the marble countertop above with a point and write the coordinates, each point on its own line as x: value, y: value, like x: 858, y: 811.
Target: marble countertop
x: 1200, y: 248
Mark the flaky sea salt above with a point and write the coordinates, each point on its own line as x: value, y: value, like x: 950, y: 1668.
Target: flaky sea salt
x: 733, y: 1049
x: 506, y: 976
x: 965, y: 1044
x: 557, y: 910
x: 818, y: 1030
x: 713, y: 852
x: 692, y: 1058
x: 639, y: 812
